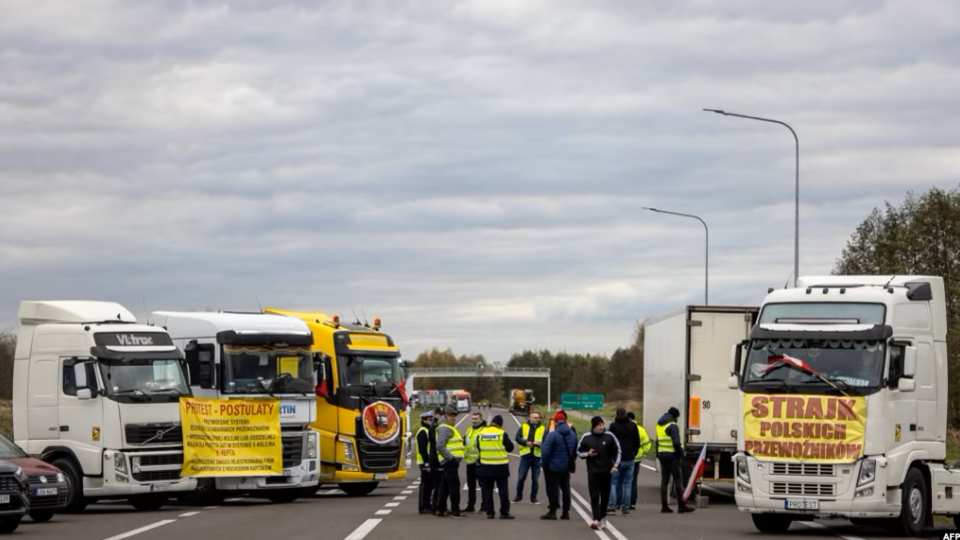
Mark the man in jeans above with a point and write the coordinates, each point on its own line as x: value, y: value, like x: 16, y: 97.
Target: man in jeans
x: 529, y: 438
x: 621, y: 483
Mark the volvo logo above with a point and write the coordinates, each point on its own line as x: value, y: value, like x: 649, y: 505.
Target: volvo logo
x: 160, y: 434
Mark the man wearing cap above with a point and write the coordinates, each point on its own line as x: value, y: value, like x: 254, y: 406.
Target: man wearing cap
x: 423, y: 461
x: 471, y: 457
x: 494, y: 447
x: 451, y: 452
x: 669, y: 453
x: 559, y: 457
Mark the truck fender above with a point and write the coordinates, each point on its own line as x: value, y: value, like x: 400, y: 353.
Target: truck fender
x: 51, y: 453
x: 916, y: 459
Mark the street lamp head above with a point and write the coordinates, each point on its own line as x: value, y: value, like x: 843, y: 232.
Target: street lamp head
x: 718, y: 111
x: 650, y: 209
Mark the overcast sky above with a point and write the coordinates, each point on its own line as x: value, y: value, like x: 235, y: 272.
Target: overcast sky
x: 472, y: 172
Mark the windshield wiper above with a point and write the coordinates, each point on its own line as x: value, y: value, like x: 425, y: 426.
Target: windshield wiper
x: 828, y: 380
x: 783, y: 384
x: 177, y: 390
x: 133, y: 393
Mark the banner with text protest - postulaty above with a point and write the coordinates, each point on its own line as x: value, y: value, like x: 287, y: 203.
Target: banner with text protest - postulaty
x: 231, y: 437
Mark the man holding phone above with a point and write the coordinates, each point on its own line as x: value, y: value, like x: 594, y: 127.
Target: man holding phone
x: 530, y: 438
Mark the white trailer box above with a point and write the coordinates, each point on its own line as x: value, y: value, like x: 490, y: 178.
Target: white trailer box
x: 686, y: 365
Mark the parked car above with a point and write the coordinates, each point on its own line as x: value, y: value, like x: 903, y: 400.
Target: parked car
x: 48, y: 489
x: 14, y: 500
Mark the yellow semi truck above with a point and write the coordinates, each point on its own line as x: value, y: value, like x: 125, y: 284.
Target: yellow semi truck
x: 361, y: 409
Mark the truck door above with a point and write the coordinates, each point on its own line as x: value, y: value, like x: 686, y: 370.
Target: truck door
x: 81, y: 413
x: 42, y: 414
x: 926, y: 391
x: 712, y: 335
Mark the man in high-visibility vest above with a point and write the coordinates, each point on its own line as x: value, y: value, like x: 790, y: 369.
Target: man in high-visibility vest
x: 471, y: 457
x: 670, y: 453
x: 423, y: 461
x: 529, y: 438
x: 645, y: 444
x: 494, y: 447
x: 451, y: 451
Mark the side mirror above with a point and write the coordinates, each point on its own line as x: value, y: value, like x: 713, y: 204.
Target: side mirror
x: 84, y: 385
x: 906, y: 385
x: 909, y: 361
x: 200, y: 357
x: 84, y: 394
x: 733, y: 382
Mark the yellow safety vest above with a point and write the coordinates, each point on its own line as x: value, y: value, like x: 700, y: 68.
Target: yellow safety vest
x: 664, y: 441
x: 644, y: 443
x: 455, y: 443
x: 421, y: 459
x: 492, y: 450
x: 472, y: 452
x: 537, y: 436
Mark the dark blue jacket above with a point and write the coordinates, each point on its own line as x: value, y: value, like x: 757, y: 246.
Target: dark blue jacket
x: 559, y: 446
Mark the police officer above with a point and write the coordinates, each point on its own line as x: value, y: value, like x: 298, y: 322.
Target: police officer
x: 423, y: 461
x: 494, y: 447
x: 645, y: 444
x: 669, y: 453
x: 471, y: 457
x: 451, y: 452
x: 436, y: 474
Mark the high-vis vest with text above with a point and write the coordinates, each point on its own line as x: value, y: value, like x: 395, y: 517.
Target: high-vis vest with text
x: 644, y: 443
x: 492, y: 450
x: 472, y: 453
x: 455, y: 442
x: 664, y: 441
x: 421, y: 459
x: 537, y: 436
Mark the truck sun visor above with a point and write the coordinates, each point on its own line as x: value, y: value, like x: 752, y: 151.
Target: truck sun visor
x: 873, y: 333
x: 232, y: 337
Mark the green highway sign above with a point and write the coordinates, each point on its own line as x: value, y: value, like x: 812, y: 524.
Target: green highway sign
x: 582, y: 402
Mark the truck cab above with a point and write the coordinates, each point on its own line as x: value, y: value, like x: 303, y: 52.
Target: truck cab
x: 844, y: 404
x: 361, y: 412
x: 97, y: 395
x: 255, y: 355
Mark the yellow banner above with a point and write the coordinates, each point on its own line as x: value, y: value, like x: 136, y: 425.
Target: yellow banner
x: 231, y: 437
x: 823, y: 429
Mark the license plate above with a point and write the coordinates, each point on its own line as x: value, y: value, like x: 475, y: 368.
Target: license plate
x: 4, y: 499
x: 40, y: 492
x: 160, y: 487
x: 801, y: 504
x: 288, y: 473
x: 380, y: 476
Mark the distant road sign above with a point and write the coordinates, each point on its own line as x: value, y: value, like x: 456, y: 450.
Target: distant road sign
x: 582, y: 402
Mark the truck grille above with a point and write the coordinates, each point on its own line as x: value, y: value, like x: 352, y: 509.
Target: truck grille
x: 292, y: 451
x: 141, y: 433
x: 153, y: 460
x: 804, y: 469
x: 159, y: 460
x: 796, y: 488
x: 378, y: 457
x: 155, y: 476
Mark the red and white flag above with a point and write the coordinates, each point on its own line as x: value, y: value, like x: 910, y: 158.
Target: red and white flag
x: 697, y: 473
x: 774, y: 361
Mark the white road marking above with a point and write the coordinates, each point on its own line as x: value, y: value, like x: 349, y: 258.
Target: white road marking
x: 645, y: 466
x: 233, y: 500
x: 815, y: 525
x: 514, y: 455
x: 406, y: 492
x: 515, y: 419
x: 587, y: 517
x: 383, y: 512
x: 128, y: 534
x: 400, y: 498
x: 331, y: 492
x: 392, y: 505
x: 610, y: 526
x: 189, y: 514
x: 461, y: 421
x: 364, y: 529
x: 210, y: 507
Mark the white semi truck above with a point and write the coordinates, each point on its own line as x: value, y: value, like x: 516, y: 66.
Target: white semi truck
x: 686, y: 366
x: 255, y: 355
x: 96, y: 394
x: 843, y: 387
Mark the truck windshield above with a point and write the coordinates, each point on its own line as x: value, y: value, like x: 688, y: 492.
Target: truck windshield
x: 252, y: 369
x: 143, y: 380
x: 852, y: 363
x: 370, y: 370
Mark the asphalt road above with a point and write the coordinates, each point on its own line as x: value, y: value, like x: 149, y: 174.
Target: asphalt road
x: 390, y: 513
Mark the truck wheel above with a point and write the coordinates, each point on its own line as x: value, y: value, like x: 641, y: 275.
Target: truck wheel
x: 148, y: 503
x: 71, y: 472
x: 771, y: 523
x: 41, y: 516
x: 359, y: 489
x: 956, y: 522
x: 9, y: 525
x: 913, y: 505
x: 308, y: 492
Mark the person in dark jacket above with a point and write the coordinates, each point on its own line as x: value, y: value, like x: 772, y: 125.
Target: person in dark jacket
x: 423, y: 460
x: 601, y: 450
x: 558, y: 451
x: 670, y: 454
x: 494, y: 445
x: 436, y: 472
x: 625, y: 430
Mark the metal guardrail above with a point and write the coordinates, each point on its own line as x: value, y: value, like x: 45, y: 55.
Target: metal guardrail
x: 505, y: 371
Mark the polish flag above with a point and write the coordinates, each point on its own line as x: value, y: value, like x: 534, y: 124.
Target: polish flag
x: 774, y: 361
x: 697, y: 473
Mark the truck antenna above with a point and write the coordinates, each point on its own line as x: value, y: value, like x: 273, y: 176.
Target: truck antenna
x: 355, y: 316
x: 788, y: 280
x: 146, y: 314
x: 364, y: 317
x: 891, y: 281
x: 258, y: 303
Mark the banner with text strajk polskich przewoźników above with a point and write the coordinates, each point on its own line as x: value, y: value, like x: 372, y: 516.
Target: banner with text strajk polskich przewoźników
x: 231, y: 437
x: 824, y: 429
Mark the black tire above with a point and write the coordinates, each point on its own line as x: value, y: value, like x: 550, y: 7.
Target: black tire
x: 771, y: 523
x: 360, y: 489
x: 41, y: 516
x: 308, y: 492
x: 71, y: 471
x: 914, y: 506
x: 956, y: 522
x: 148, y: 503
x: 284, y: 497
x: 9, y: 525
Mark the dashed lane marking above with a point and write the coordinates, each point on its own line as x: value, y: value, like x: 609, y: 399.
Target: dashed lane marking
x: 400, y: 498
x: 134, y: 532
x: 210, y: 507
x: 645, y: 466
x: 587, y: 518
x: 392, y: 504
x: 383, y: 512
x: 331, y: 492
x: 364, y: 529
x: 233, y: 500
x: 189, y: 514
x: 613, y: 530
x: 406, y: 492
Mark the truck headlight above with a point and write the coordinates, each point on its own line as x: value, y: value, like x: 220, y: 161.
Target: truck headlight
x: 120, y: 462
x: 312, y: 445
x: 349, y: 452
x: 868, y: 472
x: 742, y: 472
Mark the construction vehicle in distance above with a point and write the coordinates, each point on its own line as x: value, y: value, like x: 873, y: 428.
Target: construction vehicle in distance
x: 521, y: 401
x: 361, y: 409
x: 97, y: 395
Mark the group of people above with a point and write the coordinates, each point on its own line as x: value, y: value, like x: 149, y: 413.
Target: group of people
x: 611, y: 456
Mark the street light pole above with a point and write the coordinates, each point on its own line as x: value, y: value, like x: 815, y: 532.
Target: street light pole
x: 706, y: 251
x: 796, y: 224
